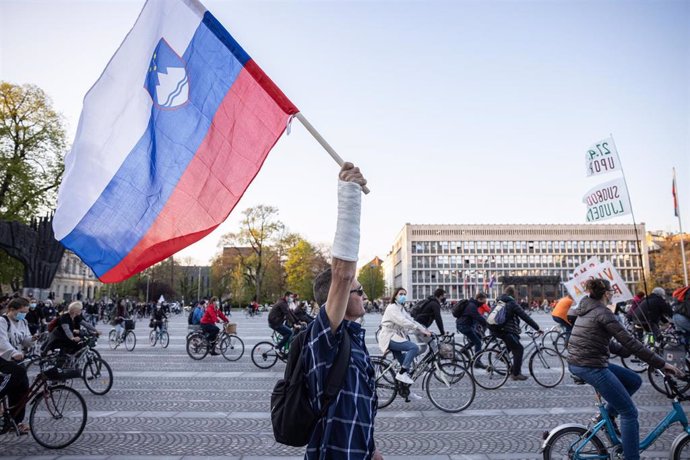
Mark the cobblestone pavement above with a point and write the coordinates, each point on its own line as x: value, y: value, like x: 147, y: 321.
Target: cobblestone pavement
x: 164, y: 405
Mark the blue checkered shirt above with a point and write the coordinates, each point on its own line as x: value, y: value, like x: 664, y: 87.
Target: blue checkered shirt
x: 347, y: 430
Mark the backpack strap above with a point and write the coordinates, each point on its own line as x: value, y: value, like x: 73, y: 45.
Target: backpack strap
x: 336, y: 375
x: 7, y: 320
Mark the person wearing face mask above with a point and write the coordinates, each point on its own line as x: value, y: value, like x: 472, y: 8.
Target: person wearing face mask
x: 66, y: 335
x: 15, y: 338
x: 396, y: 324
x: 158, y: 317
x: 588, y: 358
x: 35, y: 317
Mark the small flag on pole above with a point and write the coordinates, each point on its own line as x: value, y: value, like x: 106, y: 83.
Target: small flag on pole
x: 170, y: 137
x: 676, y: 211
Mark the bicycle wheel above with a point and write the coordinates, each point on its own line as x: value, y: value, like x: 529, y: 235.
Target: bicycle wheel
x: 153, y: 338
x: 450, y: 387
x: 490, y: 368
x: 561, y: 344
x: 571, y: 443
x: 656, y: 378
x: 165, y: 339
x: 231, y: 347
x: 130, y: 340
x: 680, y: 449
x: 112, y: 339
x: 546, y: 366
x: 634, y: 363
x: 97, y: 376
x: 197, y: 346
x: 57, y: 417
x: 386, y: 388
x: 264, y: 355
x: 549, y: 338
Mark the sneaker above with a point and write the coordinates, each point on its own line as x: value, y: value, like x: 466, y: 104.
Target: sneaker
x: 414, y: 396
x: 404, y: 378
x: 518, y: 377
x: 479, y: 365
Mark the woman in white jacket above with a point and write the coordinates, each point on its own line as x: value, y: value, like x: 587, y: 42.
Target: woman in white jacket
x: 396, y: 323
x: 15, y: 339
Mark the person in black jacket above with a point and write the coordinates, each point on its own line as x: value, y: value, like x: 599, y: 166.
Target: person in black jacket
x: 432, y: 311
x: 509, y: 332
x: 279, y: 315
x: 468, y: 324
x: 652, y: 310
x: 588, y: 358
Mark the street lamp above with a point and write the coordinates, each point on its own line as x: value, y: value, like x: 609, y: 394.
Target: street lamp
x: 198, y: 288
x: 148, y: 279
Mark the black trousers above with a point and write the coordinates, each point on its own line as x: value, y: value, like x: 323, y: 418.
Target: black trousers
x: 512, y: 341
x: 15, y: 384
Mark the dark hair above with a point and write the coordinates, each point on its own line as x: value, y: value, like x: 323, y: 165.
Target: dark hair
x: 597, y: 288
x: 480, y: 296
x: 395, y: 293
x: 287, y: 293
x: 322, y: 283
x: 439, y: 292
x: 17, y: 303
x: 640, y: 294
x: 214, y: 299
x: 509, y: 290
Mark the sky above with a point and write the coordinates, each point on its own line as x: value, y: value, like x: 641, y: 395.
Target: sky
x: 457, y: 112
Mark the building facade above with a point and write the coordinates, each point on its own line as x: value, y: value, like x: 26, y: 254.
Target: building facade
x: 73, y: 280
x: 466, y: 259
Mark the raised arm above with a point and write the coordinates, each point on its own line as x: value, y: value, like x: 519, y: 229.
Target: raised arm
x: 345, y: 243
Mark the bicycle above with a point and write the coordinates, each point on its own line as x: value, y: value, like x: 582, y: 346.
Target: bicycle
x: 127, y: 336
x: 249, y: 312
x: 160, y: 335
x: 556, y: 338
x: 546, y: 365
x: 58, y: 413
x: 448, y: 384
x: 93, y: 369
x: 229, y: 344
x: 265, y: 355
x: 579, y: 442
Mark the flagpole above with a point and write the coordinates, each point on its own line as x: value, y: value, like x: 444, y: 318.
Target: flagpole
x: 680, y: 226
x: 323, y: 143
x: 632, y: 212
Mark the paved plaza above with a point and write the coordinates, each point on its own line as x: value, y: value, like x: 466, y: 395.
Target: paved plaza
x: 164, y: 405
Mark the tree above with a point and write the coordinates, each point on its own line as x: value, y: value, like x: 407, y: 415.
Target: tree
x: 666, y: 265
x: 260, y: 229
x: 300, y: 269
x: 371, y: 277
x: 32, y: 145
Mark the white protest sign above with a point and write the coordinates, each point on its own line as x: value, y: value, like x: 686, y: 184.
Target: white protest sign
x: 607, y: 200
x: 605, y: 270
x: 602, y: 158
x: 587, y: 264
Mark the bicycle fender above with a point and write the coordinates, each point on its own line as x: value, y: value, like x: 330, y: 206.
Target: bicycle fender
x: 679, y: 438
x: 557, y: 429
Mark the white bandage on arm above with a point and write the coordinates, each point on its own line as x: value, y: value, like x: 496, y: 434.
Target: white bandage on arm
x: 346, y: 241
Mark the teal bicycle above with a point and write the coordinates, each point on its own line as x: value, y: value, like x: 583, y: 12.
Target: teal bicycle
x: 578, y: 442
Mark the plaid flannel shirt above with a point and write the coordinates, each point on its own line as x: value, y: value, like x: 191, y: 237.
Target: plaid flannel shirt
x: 347, y: 430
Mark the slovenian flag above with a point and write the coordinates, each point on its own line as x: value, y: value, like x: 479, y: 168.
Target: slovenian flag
x: 170, y: 137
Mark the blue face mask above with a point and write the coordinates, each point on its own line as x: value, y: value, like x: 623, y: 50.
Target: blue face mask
x: 21, y: 315
x: 402, y: 298
x: 32, y: 306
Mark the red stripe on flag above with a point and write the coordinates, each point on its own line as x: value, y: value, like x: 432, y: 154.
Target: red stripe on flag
x: 245, y: 128
x: 267, y: 84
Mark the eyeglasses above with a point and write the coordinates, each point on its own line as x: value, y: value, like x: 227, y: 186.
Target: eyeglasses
x: 358, y: 291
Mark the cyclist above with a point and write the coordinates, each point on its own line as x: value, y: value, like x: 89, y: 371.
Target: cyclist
x: 471, y: 322
x: 509, y: 331
x: 66, y: 335
x: 560, y: 314
x: 209, y: 320
x: 396, y: 323
x: 121, y: 314
x: 14, y: 339
x: 279, y: 318
x: 652, y: 310
x: 35, y: 318
x: 158, y: 317
x: 588, y: 358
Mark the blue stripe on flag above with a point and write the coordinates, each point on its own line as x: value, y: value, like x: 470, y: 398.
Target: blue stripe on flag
x: 141, y: 187
x: 224, y: 36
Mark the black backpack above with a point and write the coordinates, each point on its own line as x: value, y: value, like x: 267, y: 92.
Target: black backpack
x: 418, y: 308
x: 292, y: 416
x: 190, y: 318
x: 459, y: 308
